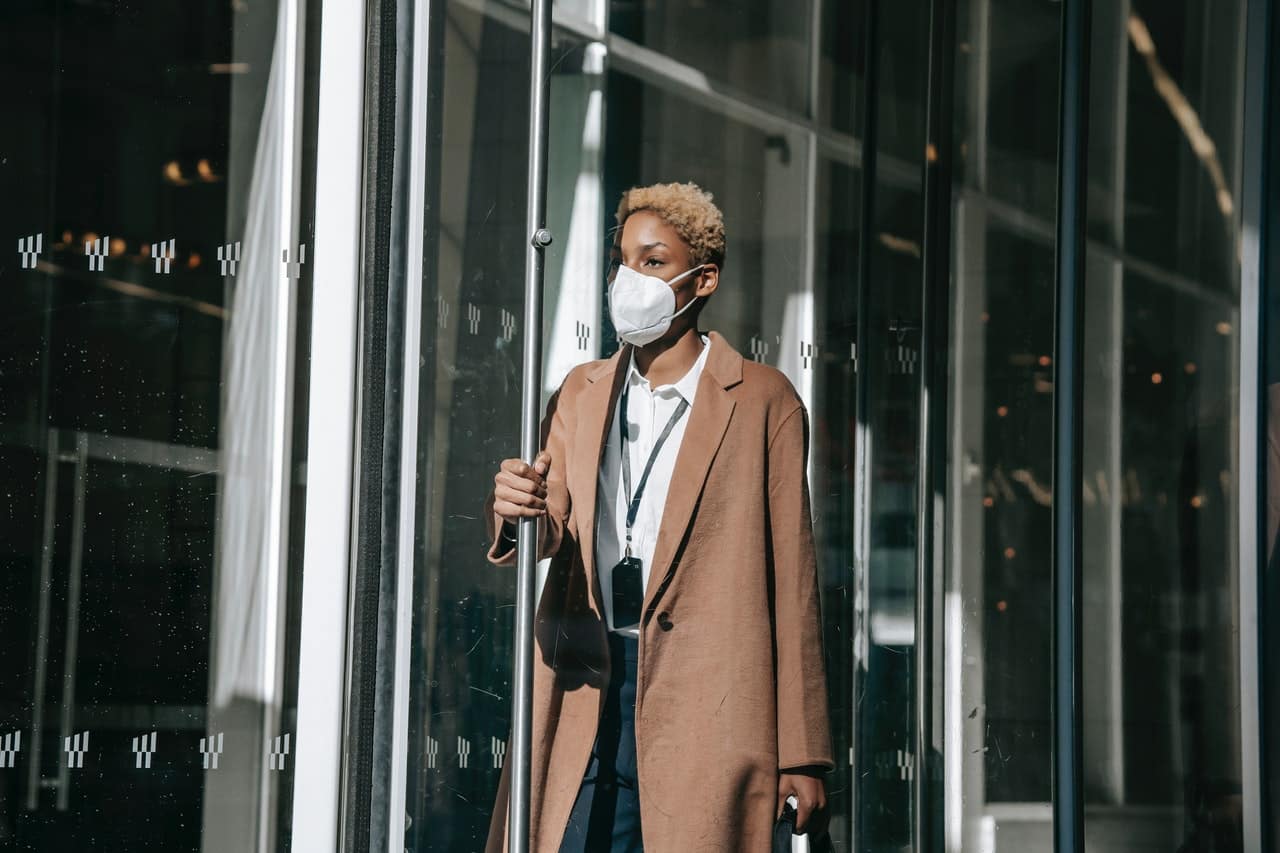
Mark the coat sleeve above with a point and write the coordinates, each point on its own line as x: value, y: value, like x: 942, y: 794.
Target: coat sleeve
x: 804, y: 729
x: 557, y: 525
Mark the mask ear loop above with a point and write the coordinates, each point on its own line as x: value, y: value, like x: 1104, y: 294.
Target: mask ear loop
x: 683, y: 275
x: 686, y: 273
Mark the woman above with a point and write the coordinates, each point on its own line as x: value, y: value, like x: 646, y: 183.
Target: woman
x: 679, y: 686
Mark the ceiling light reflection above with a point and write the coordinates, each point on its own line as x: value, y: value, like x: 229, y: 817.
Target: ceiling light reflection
x: 1183, y: 113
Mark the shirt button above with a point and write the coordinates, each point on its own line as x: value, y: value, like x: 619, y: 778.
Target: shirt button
x: 664, y: 621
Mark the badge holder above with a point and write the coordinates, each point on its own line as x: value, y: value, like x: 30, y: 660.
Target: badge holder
x: 627, y: 593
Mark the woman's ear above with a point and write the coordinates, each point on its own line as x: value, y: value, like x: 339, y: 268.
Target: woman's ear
x: 708, y: 280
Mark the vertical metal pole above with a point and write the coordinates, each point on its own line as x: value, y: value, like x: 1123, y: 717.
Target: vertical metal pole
x: 530, y: 405
x: 1073, y: 135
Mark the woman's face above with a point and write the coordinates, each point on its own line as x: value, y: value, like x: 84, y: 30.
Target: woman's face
x: 650, y: 246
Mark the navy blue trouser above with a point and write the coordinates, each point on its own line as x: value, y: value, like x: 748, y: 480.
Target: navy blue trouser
x: 606, y: 814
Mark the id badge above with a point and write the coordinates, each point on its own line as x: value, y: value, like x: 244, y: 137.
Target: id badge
x: 628, y: 593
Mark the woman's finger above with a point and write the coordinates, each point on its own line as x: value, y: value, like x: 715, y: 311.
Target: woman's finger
x: 525, y: 484
x: 518, y: 497
x: 520, y: 468
x: 804, y: 809
x: 515, y: 511
x: 521, y: 484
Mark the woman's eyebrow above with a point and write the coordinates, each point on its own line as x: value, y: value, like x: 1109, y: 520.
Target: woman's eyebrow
x: 649, y: 246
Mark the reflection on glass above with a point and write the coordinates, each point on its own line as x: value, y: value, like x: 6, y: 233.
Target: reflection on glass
x: 1163, y: 744
x: 885, y: 761
x: 146, y: 426
x: 469, y: 388
x: 834, y: 463
x: 759, y: 48
x: 1161, y: 735
x: 997, y: 603
x: 841, y: 86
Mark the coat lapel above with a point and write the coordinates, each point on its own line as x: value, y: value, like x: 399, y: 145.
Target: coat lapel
x: 708, y: 420
x: 599, y: 401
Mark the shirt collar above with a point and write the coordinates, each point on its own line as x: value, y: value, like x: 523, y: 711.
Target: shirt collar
x: 687, y: 385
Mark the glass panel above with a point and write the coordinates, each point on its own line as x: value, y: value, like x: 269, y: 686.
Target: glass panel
x: 581, y: 11
x: 838, y: 247
x: 1017, y: 152
x: 765, y: 309
x: 148, y: 617
x: 997, y: 602
x: 760, y: 48
x: 469, y: 384
x: 473, y: 270
x: 1162, y: 740
x: 842, y: 66
x: 884, y: 738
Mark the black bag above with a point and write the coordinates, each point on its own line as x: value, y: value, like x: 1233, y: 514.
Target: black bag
x: 785, y: 827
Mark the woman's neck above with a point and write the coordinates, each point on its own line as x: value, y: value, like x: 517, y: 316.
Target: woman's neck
x: 666, y: 361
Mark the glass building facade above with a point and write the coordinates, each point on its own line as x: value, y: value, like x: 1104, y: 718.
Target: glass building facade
x: 262, y: 353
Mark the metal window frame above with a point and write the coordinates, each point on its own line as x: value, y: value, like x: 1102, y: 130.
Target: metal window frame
x: 1259, y: 821
x: 1268, y: 804
x: 369, y: 726
x: 863, y: 433
x: 322, y: 698
x: 931, y: 474
x: 415, y: 214
x: 1068, y: 427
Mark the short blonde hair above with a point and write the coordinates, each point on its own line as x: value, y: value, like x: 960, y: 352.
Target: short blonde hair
x: 688, y: 209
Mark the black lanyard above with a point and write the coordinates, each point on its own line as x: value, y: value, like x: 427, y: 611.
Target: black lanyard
x: 633, y: 503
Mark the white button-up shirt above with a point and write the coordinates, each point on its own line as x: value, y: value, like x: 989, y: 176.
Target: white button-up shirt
x: 648, y: 410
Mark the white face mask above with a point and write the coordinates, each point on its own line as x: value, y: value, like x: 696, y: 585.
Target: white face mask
x: 643, y: 306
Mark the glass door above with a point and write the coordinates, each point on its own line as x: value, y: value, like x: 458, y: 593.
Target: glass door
x: 156, y: 258
x: 821, y: 184
x: 118, y: 561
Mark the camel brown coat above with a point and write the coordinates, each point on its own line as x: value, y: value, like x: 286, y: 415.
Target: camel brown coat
x: 731, y: 685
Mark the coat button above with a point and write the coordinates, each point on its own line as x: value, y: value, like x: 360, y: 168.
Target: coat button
x: 664, y: 621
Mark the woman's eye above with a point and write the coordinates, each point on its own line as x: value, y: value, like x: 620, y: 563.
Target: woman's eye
x: 653, y: 262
